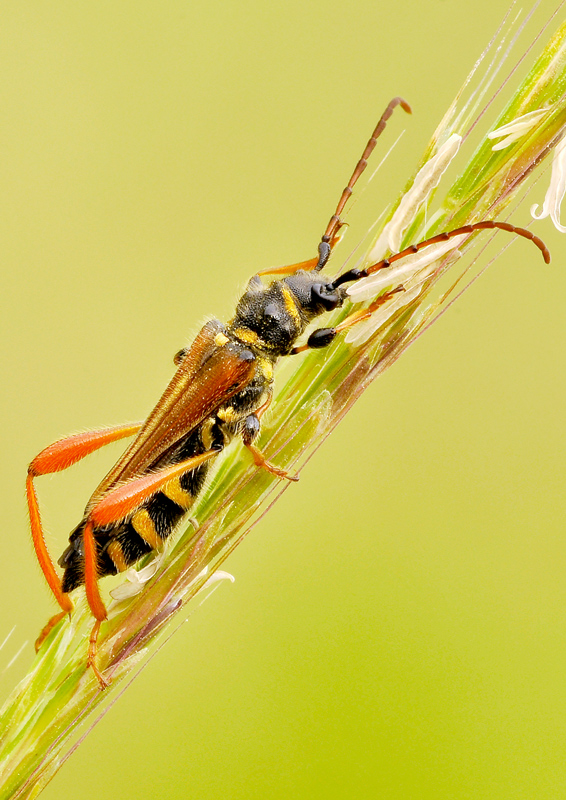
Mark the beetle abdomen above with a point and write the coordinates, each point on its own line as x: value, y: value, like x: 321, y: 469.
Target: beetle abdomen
x: 119, y: 546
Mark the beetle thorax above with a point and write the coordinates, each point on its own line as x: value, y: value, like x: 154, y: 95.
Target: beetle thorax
x: 271, y: 318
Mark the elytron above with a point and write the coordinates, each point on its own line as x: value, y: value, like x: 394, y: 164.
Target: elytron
x: 221, y: 389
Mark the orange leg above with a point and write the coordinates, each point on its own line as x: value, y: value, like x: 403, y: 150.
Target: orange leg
x: 121, y: 501
x: 262, y: 409
x: 94, y: 600
x: 290, y: 268
x: 68, y: 451
x: 113, y: 507
x: 308, y: 265
x: 261, y: 461
x: 249, y: 433
x: 92, y: 651
x: 59, y: 456
x: 46, y: 630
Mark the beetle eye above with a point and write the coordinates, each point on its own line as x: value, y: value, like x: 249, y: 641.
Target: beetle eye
x: 324, y: 295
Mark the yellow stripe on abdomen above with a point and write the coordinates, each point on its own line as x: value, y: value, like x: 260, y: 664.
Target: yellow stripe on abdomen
x: 175, y: 492
x: 143, y: 524
x: 116, y: 553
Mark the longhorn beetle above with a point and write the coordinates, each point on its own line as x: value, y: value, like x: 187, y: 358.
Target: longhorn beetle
x: 222, y: 387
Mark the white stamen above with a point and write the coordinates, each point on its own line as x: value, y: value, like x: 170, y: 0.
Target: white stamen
x: 555, y: 192
x: 216, y: 577
x: 361, y: 332
x: 413, y: 286
x: 368, y: 288
x: 135, y: 580
x: 427, y: 179
x: 517, y: 128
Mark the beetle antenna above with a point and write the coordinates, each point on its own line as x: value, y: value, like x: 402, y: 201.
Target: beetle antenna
x: 356, y: 274
x: 335, y: 224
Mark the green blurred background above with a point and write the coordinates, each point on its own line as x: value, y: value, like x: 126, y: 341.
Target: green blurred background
x: 397, y: 628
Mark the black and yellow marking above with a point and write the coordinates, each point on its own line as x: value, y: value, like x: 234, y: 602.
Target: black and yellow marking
x: 291, y: 305
x: 175, y: 492
x: 265, y: 366
x: 116, y: 553
x: 229, y: 415
x: 206, y: 436
x: 246, y: 335
x: 228, y: 378
x: 143, y: 524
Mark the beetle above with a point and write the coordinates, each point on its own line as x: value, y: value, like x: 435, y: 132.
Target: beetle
x: 222, y: 387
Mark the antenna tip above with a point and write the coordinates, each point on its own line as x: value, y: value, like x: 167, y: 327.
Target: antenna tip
x: 543, y: 249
